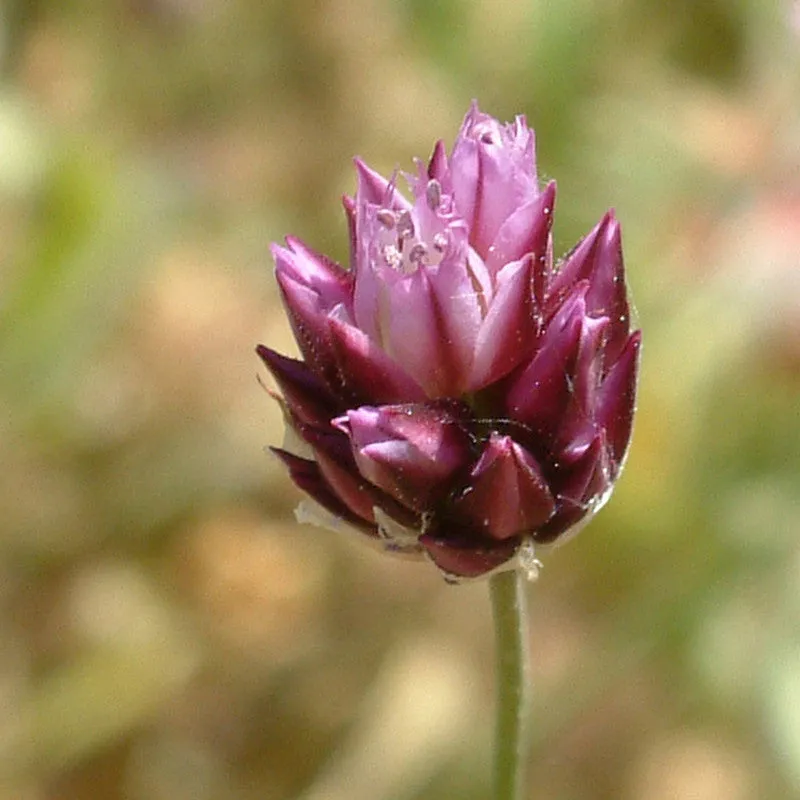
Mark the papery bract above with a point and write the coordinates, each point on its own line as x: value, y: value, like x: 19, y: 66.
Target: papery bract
x: 459, y: 396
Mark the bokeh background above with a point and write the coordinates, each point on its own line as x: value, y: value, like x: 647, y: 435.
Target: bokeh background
x: 167, y: 631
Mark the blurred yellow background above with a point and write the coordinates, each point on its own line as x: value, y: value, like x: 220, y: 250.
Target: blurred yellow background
x: 167, y: 631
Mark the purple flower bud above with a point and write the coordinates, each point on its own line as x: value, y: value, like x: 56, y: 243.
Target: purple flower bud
x: 459, y: 396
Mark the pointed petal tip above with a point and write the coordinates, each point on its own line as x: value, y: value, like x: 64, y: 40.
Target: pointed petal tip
x: 550, y: 190
x: 437, y: 164
x: 509, y: 492
x: 269, y: 357
x: 632, y: 349
x: 341, y: 424
x: 612, y: 230
x: 263, y: 351
x: 277, y: 250
x: 366, y: 172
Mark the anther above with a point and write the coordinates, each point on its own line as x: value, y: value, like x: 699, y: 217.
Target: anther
x: 433, y: 194
x: 405, y: 225
x: 386, y: 218
x: 418, y: 255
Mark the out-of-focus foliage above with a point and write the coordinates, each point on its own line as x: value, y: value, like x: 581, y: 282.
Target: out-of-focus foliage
x: 166, y: 630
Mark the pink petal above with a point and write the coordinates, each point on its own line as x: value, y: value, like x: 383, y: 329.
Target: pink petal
x: 507, y: 335
x: 525, y: 230
x: 493, y: 174
x: 349, y: 204
x: 460, y: 312
x: 465, y: 170
x: 305, y: 266
x: 367, y: 299
x: 374, y: 189
x: 417, y: 338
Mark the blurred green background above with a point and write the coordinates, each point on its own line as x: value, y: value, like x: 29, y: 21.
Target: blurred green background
x: 167, y: 631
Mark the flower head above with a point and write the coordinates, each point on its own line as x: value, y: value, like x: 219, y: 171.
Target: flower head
x: 459, y: 396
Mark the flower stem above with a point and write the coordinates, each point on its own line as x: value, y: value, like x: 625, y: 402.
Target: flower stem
x: 509, y: 605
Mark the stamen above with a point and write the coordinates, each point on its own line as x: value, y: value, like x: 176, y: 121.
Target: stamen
x: 433, y: 194
x: 405, y: 225
x: 440, y: 241
x: 392, y: 257
x: 418, y: 255
x: 386, y: 218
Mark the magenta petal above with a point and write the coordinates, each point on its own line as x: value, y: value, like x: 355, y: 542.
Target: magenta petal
x: 320, y: 274
x: 408, y: 451
x: 583, y: 471
x: 365, y: 371
x: 306, y: 395
x: 508, y: 334
x: 616, y: 400
x: 508, y: 494
x: 308, y: 477
x: 309, y: 322
x: 434, y: 429
x: 584, y: 480
x: 525, y: 230
x: 419, y: 436
x: 467, y: 558
x: 439, y: 168
x: 598, y: 259
x: 350, y: 487
x: 568, y: 515
x: 334, y: 456
x: 585, y: 380
x: 581, y: 261
x: 542, y: 392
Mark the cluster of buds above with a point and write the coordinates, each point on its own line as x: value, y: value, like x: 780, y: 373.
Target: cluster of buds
x: 459, y: 395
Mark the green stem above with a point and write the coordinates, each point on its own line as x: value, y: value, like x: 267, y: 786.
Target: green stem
x: 509, y: 604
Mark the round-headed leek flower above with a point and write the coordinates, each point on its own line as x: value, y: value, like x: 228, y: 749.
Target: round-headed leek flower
x: 459, y: 395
